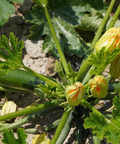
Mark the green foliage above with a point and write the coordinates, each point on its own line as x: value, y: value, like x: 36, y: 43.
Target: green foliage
x: 9, y: 138
x: 64, y: 19
x: 10, y: 51
x: 72, y: 74
x: 7, y: 9
x: 50, y: 91
x: 116, y: 110
x: 91, y: 21
x: 66, y: 15
x: 59, y: 69
x: 105, y: 128
x: 101, y: 59
x: 17, y: 1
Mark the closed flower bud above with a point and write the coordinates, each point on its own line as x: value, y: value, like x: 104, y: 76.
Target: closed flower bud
x: 110, y: 40
x: 8, y: 107
x: 75, y: 93
x: 115, y: 67
x: 99, y: 86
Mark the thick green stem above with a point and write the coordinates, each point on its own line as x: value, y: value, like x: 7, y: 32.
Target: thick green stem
x: 84, y: 103
x: 58, y: 68
x: 117, y: 13
x: 26, y: 119
x: 30, y: 110
x: 88, y: 75
x: 86, y: 65
x: 63, y: 60
x: 44, y: 78
x: 60, y: 126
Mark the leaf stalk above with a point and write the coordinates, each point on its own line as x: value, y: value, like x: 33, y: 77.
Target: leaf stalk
x: 30, y: 110
x: 63, y: 60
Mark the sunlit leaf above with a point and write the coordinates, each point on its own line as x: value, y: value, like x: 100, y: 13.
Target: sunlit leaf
x: 9, y: 138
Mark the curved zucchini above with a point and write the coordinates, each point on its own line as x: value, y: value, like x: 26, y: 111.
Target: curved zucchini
x: 19, y: 79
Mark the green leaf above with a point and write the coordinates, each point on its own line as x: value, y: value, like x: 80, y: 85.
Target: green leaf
x: 101, y: 7
x: 72, y: 74
x: 13, y: 51
x: 17, y: 1
x: 66, y: 15
x: 91, y: 21
x: 103, y: 128
x: 6, y: 9
x: 64, y: 19
x: 116, y: 110
x: 21, y: 136
x: 101, y: 59
x: 9, y: 138
x: 71, y: 43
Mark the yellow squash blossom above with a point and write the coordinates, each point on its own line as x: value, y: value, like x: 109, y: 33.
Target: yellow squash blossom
x: 99, y: 86
x: 75, y: 93
x: 110, y: 40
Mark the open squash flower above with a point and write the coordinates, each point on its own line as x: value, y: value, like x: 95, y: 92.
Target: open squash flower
x: 8, y: 107
x: 114, y: 69
x: 75, y: 93
x: 110, y: 40
x: 99, y: 86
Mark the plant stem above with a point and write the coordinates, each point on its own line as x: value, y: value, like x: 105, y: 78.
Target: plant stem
x: 63, y: 60
x: 60, y: 126
x: 52, y: 126
x: 32, y: 131
x: 117, y: 13
x: 46, y: 79
x: 27, y: 119
x: 92, y: 108
x: 7, y: 88
x: 110, y: 109
x: 88, y: 75
x: 85, y: 65
x: 88, y: 105
x: 30, y: 110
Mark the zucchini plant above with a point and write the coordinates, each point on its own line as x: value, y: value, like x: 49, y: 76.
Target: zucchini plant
x: 78, y: 92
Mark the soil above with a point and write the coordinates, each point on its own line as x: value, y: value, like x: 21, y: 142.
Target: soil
x: 37, y: 60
